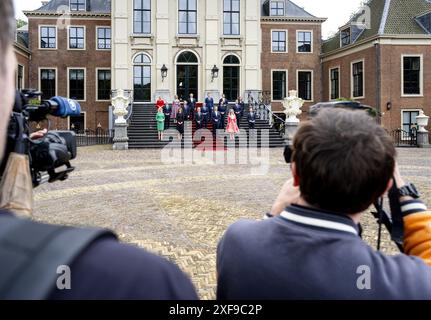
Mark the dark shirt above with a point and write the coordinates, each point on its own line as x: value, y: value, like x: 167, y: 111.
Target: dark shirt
x: 110, y: 270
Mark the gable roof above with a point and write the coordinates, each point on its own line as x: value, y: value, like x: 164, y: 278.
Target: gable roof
x: 291, y: 12
x: 388, y: 17
x: 57, y: 6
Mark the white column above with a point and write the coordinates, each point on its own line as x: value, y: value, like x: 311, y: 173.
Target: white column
x: 161, y: 53
x: 253, y: 81
x: 213, y: 14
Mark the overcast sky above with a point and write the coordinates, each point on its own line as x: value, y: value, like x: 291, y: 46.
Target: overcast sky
x: 337, y: 11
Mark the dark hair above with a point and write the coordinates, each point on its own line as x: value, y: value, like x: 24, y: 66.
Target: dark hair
x: 344, y: 160
x: 7, y: 29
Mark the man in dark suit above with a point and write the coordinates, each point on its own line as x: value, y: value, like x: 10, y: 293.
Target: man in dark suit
x: 167, y: 110
x: 199, y: 117
x: 238, y: 112
x: 209, y: 101
x: 192, y: 105
x: 222, y: 108
x: 206, y: 115
x: 216, y: 118
x: 251, y: 119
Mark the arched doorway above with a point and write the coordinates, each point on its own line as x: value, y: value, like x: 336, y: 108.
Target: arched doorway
x: 187, y: 75
x: 231, y: 77
x: 142, y: 78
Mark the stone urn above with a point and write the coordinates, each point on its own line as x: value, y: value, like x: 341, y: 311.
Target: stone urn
x: 292, y: 107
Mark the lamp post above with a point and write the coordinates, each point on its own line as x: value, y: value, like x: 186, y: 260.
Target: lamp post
x: 214, y: 73
x: 164, y: 71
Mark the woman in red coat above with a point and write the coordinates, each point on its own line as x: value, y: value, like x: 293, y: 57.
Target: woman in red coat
x: 160, y: 103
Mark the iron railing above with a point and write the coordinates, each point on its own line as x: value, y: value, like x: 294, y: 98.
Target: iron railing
x: 94, y: 137
x: 405, y: 139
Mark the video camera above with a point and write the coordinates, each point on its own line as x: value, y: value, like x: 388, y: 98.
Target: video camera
x: 391, y: 218
x: 50, y: 155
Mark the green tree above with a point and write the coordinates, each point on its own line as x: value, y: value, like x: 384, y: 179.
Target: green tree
x: 20, y: 23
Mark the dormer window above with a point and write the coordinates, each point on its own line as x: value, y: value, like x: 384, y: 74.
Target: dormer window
x: 77, y: 5
x: 277, y: 8
x: 345, y: 37
x: 425, y: 22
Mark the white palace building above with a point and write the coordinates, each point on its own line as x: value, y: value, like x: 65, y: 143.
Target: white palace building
x: 164, y: 47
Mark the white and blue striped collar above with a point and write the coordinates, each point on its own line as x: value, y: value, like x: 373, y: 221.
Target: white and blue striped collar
x: 319, y: 219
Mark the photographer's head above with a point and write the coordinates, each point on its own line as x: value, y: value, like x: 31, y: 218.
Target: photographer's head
x: 7, y: 67
x: 342, y: 161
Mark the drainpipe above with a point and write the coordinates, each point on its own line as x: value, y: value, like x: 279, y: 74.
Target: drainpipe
x: 379, y: 81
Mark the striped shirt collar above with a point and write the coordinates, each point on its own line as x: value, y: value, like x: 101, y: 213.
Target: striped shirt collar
x: 321, y: 219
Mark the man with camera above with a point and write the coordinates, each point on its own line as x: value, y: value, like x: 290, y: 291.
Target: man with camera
x: 40, y: 261
x: 310, y: 246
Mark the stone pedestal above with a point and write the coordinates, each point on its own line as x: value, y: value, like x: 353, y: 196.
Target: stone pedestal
x: 423, y: 139
x: 290, y: 130
x: 121, y: 141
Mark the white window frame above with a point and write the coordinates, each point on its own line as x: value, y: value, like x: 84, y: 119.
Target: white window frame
x: 287, y: 40
x: 177, y: 21
x: 85, y: 38
x: 23, y: 76
x: 330, y: 82
x: 40, y: 36
x: 97, y: 37
x: 352, y: 81
x: 421, y: 76
x: 312, y: 41
x: 85, y: 121
x: 312, y: 82
x: 272, y: 83
x: 85, y: 82
x: 85, y: 7
x: 341, y: 42
x: 97, y: 83
x: 39, y: 83
x: 402, y: 117
x: 284, y: 8
x: 141, y: 35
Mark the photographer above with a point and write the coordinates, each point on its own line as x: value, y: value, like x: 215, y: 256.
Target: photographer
x: 342, y: 163
x: 31, y: 254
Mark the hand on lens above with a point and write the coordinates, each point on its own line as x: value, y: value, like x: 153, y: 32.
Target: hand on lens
x: 289, y: 195
x: 38, y: 134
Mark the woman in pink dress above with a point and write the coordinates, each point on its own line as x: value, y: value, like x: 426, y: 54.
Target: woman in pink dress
x: 232, y: 126
x: 175, y: 108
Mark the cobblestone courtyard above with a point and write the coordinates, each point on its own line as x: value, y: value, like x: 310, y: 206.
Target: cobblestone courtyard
x: 181, y: 211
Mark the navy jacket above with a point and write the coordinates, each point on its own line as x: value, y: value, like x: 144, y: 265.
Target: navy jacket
x: 205, y: 112
x: 209, y: 102
x: 251, y: 117
x: 308, y: 254
x: 216, y: 118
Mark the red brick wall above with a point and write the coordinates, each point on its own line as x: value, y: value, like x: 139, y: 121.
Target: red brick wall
x: 96, y: 112
x: 390, y: 80
x: 369, y: 57
x: 291, y: 60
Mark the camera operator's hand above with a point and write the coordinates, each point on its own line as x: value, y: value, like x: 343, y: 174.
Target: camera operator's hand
x: 400, y: 182
x: 38, y: 134
x: 289, y: 195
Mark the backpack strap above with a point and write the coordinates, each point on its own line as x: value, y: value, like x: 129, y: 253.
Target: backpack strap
x: 31, y: 252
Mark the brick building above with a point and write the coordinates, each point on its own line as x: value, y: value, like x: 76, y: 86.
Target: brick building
x: 291, y: 48
x: 384, y: 65
x: 70, y: 42
x: 22, y: 54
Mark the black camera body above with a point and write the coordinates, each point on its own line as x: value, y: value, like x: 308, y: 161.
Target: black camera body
x: 50, y: 155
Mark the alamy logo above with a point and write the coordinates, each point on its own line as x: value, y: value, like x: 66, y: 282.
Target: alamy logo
x: 364, y: 280
x: 64, y: 281
x: 363, y: 19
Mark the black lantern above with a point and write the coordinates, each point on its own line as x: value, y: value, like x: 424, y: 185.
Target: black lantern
x: 164, y: 71
x: 214, y: 72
